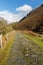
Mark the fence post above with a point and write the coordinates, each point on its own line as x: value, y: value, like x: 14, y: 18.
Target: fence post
x: 1, y: 41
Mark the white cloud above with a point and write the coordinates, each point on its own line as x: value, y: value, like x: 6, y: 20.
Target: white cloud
x: 24, y: 8
x: 10, y: 17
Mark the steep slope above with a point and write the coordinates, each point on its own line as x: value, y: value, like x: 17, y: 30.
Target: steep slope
x: 33, y: 21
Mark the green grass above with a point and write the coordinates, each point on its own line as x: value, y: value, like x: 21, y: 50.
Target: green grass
x: 5, y: 52
x: 35, y: 39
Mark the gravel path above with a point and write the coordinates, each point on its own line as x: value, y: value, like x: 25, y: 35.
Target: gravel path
x: 24, y: 52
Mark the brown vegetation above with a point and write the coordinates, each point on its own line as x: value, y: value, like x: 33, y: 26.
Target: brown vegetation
x: 33, y: 21
x: 7, y: 37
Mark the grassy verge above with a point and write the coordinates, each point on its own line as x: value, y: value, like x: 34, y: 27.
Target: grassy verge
x: 5, y: 51
x: 35, y: 39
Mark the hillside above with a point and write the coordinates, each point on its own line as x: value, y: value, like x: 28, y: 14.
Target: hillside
x: 33, y: 21
x: 4, y: 27
x: 13, y: 25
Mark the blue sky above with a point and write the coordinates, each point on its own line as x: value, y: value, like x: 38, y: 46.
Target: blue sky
x: 10, y: 6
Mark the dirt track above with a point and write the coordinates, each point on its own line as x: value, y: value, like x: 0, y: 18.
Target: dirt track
x: 24, y: 52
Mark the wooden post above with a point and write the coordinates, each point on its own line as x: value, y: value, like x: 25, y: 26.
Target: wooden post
x: 1, y: 41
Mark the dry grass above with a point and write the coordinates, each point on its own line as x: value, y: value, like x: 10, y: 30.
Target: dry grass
x: 6, y: 49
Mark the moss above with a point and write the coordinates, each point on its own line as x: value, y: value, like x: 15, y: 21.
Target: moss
x: 35, y: 39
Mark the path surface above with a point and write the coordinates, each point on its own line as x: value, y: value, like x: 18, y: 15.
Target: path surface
x: 24, y: 52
